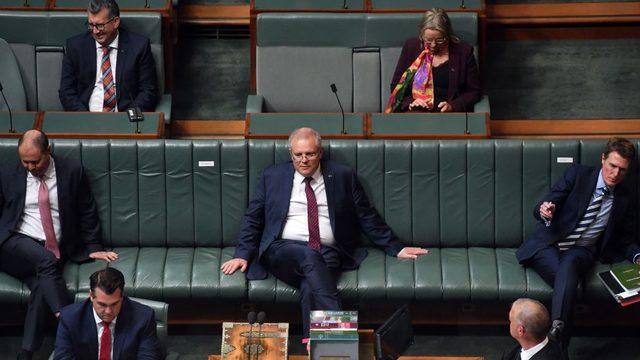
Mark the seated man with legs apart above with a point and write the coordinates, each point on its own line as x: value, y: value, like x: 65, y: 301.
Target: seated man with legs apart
x: 108, y: 68
x: 589, y: 213
x: 528, y: 324
x: 107, y: 325
x: 47, y: 216
x: 302, y: 226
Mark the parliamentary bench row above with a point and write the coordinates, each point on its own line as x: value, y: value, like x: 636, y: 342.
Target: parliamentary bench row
x: 362, y: 5
x: 172, y: 210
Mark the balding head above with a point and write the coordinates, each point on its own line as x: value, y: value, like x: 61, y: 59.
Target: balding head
x: 529, y: 321
x: 34, y: 152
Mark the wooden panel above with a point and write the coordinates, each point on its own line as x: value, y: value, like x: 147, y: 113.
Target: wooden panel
x: 605, y: 12
x: 198, y: 128
x: 215, y: 14
x: 570, y: 129
x: 523, y: 32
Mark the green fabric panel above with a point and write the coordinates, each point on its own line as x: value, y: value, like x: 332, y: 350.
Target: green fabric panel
x: 8, y: 151
x: 325, y: 124
x: 262, y: 290
x: 67, y: 148
x: 205, y: 276
x: 344, y: 152
x: 512, y: 281
x: 348, y: 285
x: 536, y: 158
x: 477, y: 123
x: 177, y: 273
x: 453, y: 199
x: 399, y: 279
x: 428, y: 276
x: 84, y: 270
x: 562, y: 149
x: 483, y: 273
x: 480, y: 190
x: 456, y: 284
x: 22, y: 121
x: 508, y: 193
x: 24, y: 27
x: 308, y: 4
x: 261, y: 156
x: 536, y: 287
x: 286, y: 293
x: 282, y: 150
x: 591, y: 152
x: 371, y: 171
x: 97, y: 123
x: 232, y: 287
x: 126, y: 263
x: 425, y: 199
x: 397, y: 188
x: 207, y: 196
x: 593, y: 289
x: 95, y: 159
x: 371, y: 276
x: 234, y: 189
x: 179, y: 180
x: 10, y: 289
x: 310, y: 29
x: 152, y: 193
x: 124, y: 193
x: 415, y: 123
x: 149, y: 274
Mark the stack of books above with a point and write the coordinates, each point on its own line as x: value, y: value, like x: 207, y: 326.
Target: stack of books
x: 334, y: 334
x: 623, y: 283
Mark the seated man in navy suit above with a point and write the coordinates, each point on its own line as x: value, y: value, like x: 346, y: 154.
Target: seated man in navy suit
x: 528, y: 325
x: 107, y: 325
x: 108, y: 68
x: 588, y: 214
x: 303, y: 223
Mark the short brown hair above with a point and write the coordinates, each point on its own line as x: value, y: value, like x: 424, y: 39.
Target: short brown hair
x: 622, y: 146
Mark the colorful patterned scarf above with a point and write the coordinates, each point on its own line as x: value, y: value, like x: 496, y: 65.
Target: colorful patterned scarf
x: 419, y: 77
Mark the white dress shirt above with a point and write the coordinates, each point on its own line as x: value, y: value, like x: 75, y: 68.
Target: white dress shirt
x: 528, y: 354
x: 96, y: 101
x: 31, y: 224
x: 100, y: 329
x: 296, y: 225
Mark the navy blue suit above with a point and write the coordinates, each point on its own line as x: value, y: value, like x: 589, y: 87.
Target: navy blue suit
x: 349, y: 211
x: 134, y: 336
x: 563, y: 271
x: 135, y: 72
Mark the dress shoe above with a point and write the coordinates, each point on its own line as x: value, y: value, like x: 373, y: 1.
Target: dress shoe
x: 25, y: 355
x: 555, y: 334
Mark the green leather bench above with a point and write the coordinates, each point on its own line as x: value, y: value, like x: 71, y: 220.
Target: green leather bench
x: 172, y: 210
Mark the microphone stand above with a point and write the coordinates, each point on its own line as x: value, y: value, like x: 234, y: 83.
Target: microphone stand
x: 334, y: 89
x: 251, y: 318
x: 261, y: 317
x: 11, y: 129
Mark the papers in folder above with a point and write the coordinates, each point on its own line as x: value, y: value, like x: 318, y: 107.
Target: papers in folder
x: 623, y: 282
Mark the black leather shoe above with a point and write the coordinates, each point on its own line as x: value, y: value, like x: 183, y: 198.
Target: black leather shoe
x: 25, y: 355
x: 555, y: 334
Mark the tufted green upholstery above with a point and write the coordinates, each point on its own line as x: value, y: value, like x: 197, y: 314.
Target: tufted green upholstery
x: 172, y: 210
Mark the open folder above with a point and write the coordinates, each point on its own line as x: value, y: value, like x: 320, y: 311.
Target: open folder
x: 623, y: 282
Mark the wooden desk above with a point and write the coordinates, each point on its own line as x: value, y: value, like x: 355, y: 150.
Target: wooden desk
x: 280, y: 125
x: 87, y: 125
x: 22, y: 121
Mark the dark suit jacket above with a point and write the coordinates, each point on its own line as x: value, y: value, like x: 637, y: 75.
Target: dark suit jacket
x: 464, y: 81
x: 134, y: 335
x: 572, y: 194
x: 551, y: 351
x: 135, y: 73
x: 78, y: 213
x: 349, y: 212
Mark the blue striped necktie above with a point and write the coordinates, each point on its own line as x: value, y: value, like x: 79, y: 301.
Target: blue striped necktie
x: 589, y: 217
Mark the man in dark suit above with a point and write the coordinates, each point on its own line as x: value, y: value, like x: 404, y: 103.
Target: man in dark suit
x: 303, y: 223
x: 107, y: 325
x: 528, y: 324
x: 47, y: 216
x: 588, y: 214
x: 108, y: 67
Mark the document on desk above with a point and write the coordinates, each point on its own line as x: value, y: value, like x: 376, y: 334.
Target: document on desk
x: 623, y: 283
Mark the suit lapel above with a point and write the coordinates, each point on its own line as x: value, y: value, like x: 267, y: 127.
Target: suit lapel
x: 123, y: 41
x: 285, y: 197
x: 586, y: 191
x: 120, y: 332
x: 91, y: 48
x: 91, y: 330
x: 21, y: 174
x: 61, y: 183
x: 329, y: 187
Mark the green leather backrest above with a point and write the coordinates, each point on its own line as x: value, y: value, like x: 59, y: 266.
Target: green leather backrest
x: 11, y: 80
x: 425, y: 4
x: 453, y: 193
x: 29, y: 3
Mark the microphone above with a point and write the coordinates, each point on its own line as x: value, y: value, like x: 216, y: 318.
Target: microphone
x: 146, y: 3
x: 344, y: 5
x: 251, y: 318
x: 134, y: 113
x: 261, y: 317
x: 466, y: 123
x: 11, y: 129
x: 335, y: 91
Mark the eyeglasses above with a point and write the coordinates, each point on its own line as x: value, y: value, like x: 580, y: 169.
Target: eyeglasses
x: 438, y: 41
x: 98, y: 27
x: 300, y: 156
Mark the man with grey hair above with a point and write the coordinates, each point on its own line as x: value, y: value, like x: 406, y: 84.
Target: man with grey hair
x: 528, y: 324
x: 303, y: 223
x: 107, y: 68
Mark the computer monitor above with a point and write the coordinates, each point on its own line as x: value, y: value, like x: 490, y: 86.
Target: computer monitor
x: 394, y: 336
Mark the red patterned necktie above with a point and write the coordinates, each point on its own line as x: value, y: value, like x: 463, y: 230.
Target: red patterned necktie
x: 44, y: 207
x: 109, y: 103
x: 105, y: 342
x: 312, y: 216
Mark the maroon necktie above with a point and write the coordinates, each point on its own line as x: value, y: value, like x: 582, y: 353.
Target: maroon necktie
x: 312, y: 216
x: 44, y: 207
x: 105, y: 342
